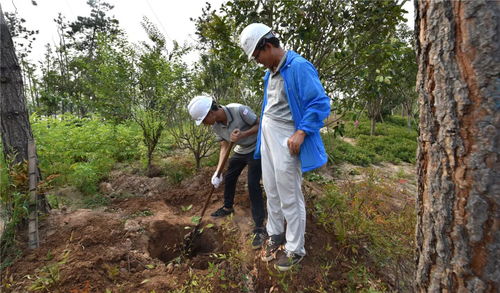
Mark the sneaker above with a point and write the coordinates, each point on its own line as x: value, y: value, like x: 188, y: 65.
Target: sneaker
x: 259, y: 237
x: 287, y: 261
x: 273, y: 244
x: 222, y: 212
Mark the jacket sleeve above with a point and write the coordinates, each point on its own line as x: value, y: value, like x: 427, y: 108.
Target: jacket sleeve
x: 313, y: 102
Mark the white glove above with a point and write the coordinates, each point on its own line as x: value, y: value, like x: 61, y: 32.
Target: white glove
x: 216, y: 181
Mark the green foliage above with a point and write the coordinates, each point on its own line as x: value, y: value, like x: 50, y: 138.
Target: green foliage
x: 143, y: 213
x: 199, y: 140
x: 364, y: 220
x: 186, y: 208
x: 14, y: 204
x: 161, y: 86
x: 339, y: 37
x: 113, y: 79
x: 393, y: 143
x: 49, y: 275
x: 95, y: 201
x: 177, y: 169
x: 341, y: 151
x: 82, y: 151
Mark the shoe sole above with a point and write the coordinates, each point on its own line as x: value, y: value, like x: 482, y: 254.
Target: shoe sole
x: 284, y: 269
x: 221, y: 216
x: 256, y: 247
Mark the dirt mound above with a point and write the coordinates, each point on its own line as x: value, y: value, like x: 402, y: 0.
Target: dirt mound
x: 135, y: 244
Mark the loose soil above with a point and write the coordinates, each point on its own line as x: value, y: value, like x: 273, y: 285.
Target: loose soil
x: 135, y: 244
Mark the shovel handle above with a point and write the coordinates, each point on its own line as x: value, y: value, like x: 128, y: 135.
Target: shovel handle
x: 224, y: 160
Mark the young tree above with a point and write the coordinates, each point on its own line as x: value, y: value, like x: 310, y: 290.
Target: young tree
x: 198, y: 139
x: 79, y: 49
x: 458, y: 215
x: 160, y: 85
x: 113, y: 77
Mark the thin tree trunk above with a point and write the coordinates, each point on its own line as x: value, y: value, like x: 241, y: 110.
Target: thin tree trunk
x: 458, y: 216
x: 372, y: 126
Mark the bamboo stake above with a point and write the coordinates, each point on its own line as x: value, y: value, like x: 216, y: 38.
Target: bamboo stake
x: 33, y: 178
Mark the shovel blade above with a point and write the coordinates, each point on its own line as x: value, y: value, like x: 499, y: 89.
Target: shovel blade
x: 189, y: 239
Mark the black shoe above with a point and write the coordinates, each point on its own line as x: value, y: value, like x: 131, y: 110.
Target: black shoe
x: 222, y: 212
x: 287, y: 261
x: 259, y: 237
x: 273, y: 244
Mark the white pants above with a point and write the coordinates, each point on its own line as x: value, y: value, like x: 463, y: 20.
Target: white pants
x: 282, y: 178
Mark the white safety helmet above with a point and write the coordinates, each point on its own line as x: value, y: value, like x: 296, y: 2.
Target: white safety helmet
x: 198, y: 108
x: 251, y: 35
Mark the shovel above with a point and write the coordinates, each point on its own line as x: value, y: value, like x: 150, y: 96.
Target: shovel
x: 191, y: 236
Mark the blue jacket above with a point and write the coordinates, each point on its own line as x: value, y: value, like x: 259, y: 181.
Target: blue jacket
x: 309, y: 105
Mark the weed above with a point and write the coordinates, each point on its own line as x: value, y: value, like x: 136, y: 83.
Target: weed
x: 49, y: 275
x: 360, y: 280
x: 315, y: 177
x: 186, y: 208
x: 364, y: 225
x: 143, y: 213
x: 96, y: 201
x: 178, y: 169
x: 111, y: 271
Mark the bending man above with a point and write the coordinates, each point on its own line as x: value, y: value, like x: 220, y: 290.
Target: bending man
x: 239, y: 124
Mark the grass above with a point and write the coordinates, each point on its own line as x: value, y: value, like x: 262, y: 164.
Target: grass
x: 375, y: 236
x: 393, y: 142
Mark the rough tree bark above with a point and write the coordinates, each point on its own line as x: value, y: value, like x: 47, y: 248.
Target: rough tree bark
x: 457, y: 233
x: 14, y: 120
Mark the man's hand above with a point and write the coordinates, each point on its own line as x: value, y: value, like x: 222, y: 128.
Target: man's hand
x: 295, y: 141
x: 216, y: 181
x: 236, y: 135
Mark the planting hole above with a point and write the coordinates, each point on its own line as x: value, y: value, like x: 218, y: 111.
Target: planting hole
x: 166, y: 242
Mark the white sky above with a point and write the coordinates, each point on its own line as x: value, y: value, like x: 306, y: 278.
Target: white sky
x: 170, y: 16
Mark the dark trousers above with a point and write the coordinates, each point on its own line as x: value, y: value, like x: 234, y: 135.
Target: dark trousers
x: 236, y: 164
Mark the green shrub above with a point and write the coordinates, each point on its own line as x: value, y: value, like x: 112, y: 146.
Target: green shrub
x: 367, y: 225
x: 83, y: 151
x: 96, y: 200
x: 393, y: 142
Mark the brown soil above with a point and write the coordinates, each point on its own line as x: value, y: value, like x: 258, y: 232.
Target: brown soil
x: 135, y: 244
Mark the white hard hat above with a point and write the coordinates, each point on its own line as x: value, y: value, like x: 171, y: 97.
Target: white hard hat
x: 251, y: 35
x: 198, y: 108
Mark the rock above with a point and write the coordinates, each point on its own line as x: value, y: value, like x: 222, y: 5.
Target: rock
x: 106, y: 188
x: 128, y: 244
x: 132, y: 226
x: 170, y: 268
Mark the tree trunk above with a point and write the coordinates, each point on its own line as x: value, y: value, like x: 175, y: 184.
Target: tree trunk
x: 14, y: 121
x: 408, y: 118
x: 372, y: 126
x: 458, y: 216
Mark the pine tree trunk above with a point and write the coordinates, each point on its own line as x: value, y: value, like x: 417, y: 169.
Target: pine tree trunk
x: 14, y: 120
x: 458, y: 216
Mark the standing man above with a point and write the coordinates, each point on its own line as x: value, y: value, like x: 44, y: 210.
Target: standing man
x: 239, y: 124
x: 294, y: 107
